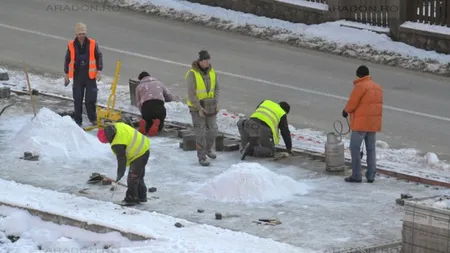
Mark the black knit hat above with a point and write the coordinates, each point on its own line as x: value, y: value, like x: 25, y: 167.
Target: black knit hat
x: 203, y: 55
x: 362, y: 71
x: 286, y: 107
x: 143, y: 74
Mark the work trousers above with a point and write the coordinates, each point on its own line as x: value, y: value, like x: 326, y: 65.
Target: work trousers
x: 84, y: 89
x: 356, y: 140
x: 137, y: 190
x: 205, y: 129
x: 259, y: 135
x: 153, y: 109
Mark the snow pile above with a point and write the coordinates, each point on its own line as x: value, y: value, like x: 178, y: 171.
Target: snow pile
x: 327, y: 37
x: 22, y: 232
x: 52, y: 136
x: 431, y: 158
x: 251, y: 183
x: 442, y: 202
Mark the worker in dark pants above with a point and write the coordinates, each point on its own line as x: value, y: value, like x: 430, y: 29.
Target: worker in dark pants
x: 83, y: 64
x: 131, y: 149
x: 259, y: 133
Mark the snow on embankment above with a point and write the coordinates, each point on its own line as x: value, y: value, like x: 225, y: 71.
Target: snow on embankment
x: 251, y: 183
x: 54, y: 137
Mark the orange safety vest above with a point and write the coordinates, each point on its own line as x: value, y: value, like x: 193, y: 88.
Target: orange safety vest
x: 92, y: 62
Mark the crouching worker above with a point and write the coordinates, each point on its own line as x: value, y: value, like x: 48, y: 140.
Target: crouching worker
x: 259, y: 133
x: 131, y: 149
x: 151, y: 94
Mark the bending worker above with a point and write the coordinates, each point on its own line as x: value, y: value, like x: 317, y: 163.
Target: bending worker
x: 151, y: 95
x: 259, y: 133
x: 203, y: 99
x: 83, y: 64
x: 131, y: 149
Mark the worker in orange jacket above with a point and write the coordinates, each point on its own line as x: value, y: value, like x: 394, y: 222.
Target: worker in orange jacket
x: 83, y: 64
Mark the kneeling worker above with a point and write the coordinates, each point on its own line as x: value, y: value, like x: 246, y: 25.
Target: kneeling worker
x: 259, y: 133
x: 131, y: 149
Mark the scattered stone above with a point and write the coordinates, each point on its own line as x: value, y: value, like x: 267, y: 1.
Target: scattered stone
x: 28, y: 156
x: 271, y: 222
x: 200, y: 211
x: 152, y: 189
x: 112, y: 188
x: 218, y: 216
x: 406, y: 196
x: 13, y: 238
x: 189, y: 142
x: 83, y: 191
x: 5, y: 92
x: 179, y: 225
x: 4, y: 76
x: 180, y: 145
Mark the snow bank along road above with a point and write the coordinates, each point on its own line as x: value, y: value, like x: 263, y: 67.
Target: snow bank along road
x: 315, y: 84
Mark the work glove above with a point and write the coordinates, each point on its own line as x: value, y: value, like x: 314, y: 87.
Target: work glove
x: 119, y: 177
x: 202, y: 112
x: 344, y: 114
x: 66, y: 80
x: 99, y: 76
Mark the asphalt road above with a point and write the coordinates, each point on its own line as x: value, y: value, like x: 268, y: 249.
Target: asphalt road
x: 314, y: 83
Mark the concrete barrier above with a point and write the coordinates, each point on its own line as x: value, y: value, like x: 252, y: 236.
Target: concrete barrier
x: 62, y: 220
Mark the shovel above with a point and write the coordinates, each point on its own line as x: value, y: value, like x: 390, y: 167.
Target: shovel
x: 97, y: 178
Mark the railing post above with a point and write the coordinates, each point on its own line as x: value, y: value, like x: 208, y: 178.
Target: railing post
x: 398, y: 10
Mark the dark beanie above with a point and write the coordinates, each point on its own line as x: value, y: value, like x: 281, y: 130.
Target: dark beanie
x: 362, y: 71
x: 143, y: 74
x: 203, y: 55
x: 286, y: 107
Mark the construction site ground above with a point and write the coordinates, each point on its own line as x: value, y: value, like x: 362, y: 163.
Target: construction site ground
x: 333, y: 214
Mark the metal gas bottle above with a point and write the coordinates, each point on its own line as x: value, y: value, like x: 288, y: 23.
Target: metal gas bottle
x: 334, y: 153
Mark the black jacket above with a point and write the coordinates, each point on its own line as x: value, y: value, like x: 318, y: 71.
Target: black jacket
x: 284, y: 130
x: 82, y: 50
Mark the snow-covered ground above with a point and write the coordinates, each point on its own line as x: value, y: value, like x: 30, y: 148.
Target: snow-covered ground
x: 400, y: 160
x: 442, y: 202
x: 328, y: 37
x: 39, y: 236
x: 317, y: 210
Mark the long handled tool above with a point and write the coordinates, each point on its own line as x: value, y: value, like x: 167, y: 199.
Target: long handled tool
x: 32, y: 100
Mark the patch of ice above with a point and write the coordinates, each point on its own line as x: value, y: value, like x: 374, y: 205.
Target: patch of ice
x: 251, y: 183
x: 431, y: 158
x: 54, y: 137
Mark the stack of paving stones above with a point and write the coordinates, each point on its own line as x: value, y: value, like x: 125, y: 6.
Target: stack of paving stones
x: 222, y: 143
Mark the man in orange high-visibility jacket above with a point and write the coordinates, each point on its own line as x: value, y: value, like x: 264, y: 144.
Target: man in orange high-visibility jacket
x: 83, y: 64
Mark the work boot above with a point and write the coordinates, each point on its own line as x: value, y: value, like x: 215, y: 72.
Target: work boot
x: 211, y: 154
x: 154, y: 129
x: 203, y: 162
x: 129, y: 202
x: 352, y: 180
x: 142, y: 200
x: 141, y: 128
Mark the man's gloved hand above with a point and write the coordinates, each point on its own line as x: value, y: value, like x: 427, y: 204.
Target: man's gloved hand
x: 99, y: 76
x: 119, y: 177
x: 202, y: 112
x: 66, y: 80
x: 344, y: 114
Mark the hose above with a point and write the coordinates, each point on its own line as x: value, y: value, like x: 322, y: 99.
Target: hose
x: 341, y: 133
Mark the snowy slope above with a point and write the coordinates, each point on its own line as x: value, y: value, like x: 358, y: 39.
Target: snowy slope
x: 402, y: 160
x: 191, y: 238
x: 329, y: 37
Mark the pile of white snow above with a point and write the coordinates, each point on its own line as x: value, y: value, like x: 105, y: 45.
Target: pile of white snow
x: 442, y: 202
x: 328, y: 37
x: 251, y: 183
x: 22, y: 232
x: 52, y: 136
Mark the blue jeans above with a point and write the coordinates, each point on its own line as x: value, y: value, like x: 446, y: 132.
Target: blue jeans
x: 355, y: 149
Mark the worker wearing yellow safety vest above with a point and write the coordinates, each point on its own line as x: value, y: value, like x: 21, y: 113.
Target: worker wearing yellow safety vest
x: 131, y: 149
x: 202, y: 99
x: 83, y: 64
x: 260, y: 133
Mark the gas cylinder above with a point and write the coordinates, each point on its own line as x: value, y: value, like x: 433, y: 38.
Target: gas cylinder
x: 334, y: 153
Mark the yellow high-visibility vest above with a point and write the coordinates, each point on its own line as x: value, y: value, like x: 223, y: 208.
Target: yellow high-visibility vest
x: 200, y: 87
x: 137, y: 143
x: 270, y: 113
